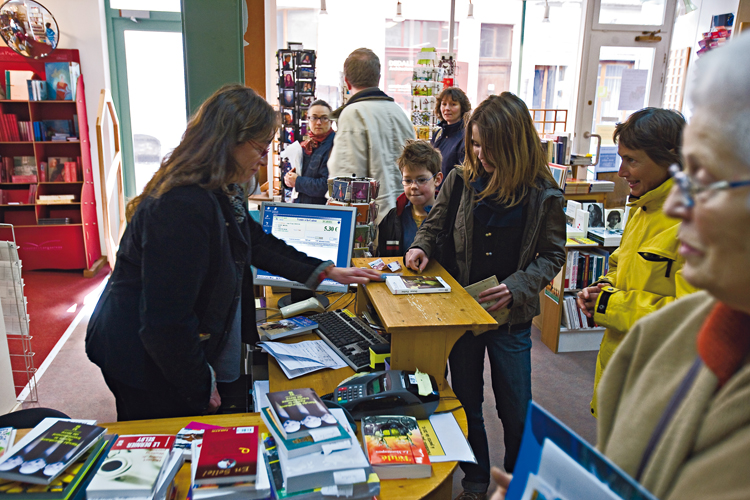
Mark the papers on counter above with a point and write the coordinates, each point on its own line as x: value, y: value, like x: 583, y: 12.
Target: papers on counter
x: 302, y: 358
x: 444, y: 440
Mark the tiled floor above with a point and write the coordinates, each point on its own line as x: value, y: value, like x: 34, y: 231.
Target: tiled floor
x: 561, y: 383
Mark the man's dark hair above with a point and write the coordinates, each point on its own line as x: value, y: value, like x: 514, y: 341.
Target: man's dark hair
x: 362, y: 69
x: 321, y: 102
x: 655, y: 131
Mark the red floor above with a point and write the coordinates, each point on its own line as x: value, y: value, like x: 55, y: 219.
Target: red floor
x: 54, y: 300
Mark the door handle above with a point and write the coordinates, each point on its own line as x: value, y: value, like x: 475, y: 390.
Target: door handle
x: 589, y: 135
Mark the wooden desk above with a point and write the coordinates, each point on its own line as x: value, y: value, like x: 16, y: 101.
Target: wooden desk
x: 423, y: 327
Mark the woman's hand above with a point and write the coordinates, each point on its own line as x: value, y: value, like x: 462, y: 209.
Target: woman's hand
x: 290, y: 179
x: 348, y: 275
x: 500, y: 293
x: 587, y: 298
x: 416, y: 259
x: 503, y: 481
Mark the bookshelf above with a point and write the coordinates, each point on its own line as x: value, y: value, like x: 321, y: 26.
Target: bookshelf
x: 74, y: 245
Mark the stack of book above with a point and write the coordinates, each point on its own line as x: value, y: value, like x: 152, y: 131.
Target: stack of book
x: 137, y: 467
x: 55, y: 199
x: 228, y: 464
x: 54, y: 461
x: 313, y: 450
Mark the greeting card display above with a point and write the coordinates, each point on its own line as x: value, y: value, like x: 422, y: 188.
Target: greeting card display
x: 296, y: 73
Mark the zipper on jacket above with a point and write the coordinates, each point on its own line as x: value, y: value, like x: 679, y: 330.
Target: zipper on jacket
x: 669, y: 268
x: 652, y: 257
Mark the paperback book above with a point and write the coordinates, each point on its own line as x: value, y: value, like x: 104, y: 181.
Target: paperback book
x: 288, y: 327
x: 304, y: 445
x: 401, y: 285
x: 66, y: 485
x: 300, y: 413
x: 228, y: 456
x: 395, y: 447
x: 132, y: 467
x: 53, y: 451
x: 501, y: 315
x: 7, y: 437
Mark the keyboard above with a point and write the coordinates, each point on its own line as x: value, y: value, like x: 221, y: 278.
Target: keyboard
x: 349, y: 336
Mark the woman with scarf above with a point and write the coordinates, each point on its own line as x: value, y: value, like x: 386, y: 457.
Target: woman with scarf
x: 169, y: 327
x: 509, y: 224
x: 451, y: 106
x: 312, y: 185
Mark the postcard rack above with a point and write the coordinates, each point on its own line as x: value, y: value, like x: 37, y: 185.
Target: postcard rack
x: 16, y: 320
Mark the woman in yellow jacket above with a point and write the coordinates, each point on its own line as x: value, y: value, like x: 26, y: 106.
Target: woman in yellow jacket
x: 645, y: 271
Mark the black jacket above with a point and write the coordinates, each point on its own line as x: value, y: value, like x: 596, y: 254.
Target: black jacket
x: 391, y: 231
x: 181, y: 267
x: 449, y: 139
x: 312, y: 185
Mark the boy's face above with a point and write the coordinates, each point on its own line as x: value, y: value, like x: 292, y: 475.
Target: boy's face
x: 419, y: 185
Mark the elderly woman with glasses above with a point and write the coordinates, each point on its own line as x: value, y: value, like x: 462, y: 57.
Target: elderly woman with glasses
x: 645, y: 271
x: 312, y: 185
x: 168, y: 328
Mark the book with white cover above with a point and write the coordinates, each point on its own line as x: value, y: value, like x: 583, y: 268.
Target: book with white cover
x: 318, y: 470
x: 401, y: 285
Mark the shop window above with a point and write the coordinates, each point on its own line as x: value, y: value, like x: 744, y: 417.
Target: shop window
x: 495, y: 41
x: 495, y: 45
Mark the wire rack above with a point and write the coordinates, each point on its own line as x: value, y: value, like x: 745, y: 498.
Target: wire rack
x: 16, y: 320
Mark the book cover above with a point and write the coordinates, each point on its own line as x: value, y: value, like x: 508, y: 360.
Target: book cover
x: 57, y: 128
x: 132, y: 467
x: 56, y: 168
x: 300, y: 411
x: 596, y: 214
x: 399, y: 285
x: 288, y: 327
x: 395, y: 447
x: 47, y: 456
x: 500, y: 315
x: 304, y: 445
x: 7, y: 434
x: 228, y: 456
x: 614, y: 219
x: 66, y: 485
x: 62, y: 78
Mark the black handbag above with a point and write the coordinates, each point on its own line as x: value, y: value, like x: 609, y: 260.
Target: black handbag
x: 445, y: 248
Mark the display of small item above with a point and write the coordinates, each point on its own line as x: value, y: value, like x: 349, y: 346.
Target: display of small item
x: 596, y: 213
x: 289, y: 135
x: 614, y: 219
x: 306, y: 100
x: 340, y: 190
x: 306, y: 58
x: 306, y: 87
x: 303, y: 114
x: 62, y: 78
x: 303, y: 129
x: 288, y: 115
x: 305, y: 73
x: 287, y: 98
x: 56, y: 168
x: 286, y: 60
x: 360, y: 191
x: 286, y: 166
x: 288, y: 79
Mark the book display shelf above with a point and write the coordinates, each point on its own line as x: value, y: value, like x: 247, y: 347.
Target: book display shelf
x: 45, y: 243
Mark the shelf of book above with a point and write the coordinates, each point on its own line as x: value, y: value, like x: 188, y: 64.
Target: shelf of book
x: 50, y: 236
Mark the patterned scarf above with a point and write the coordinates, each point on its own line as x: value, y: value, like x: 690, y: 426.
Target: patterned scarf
x: 238, y: 201
x: 314, y: 141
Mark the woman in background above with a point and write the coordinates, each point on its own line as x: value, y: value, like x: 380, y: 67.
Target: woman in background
x: 510, y: 224
x: 170, y: 323
x: 451, y: 106
x: 312, y: 185
x: 645, y: 271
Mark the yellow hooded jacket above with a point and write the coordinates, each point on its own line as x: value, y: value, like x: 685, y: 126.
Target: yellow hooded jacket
x: 645, y: 273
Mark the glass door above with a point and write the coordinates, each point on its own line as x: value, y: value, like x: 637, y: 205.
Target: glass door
x: 149, y: 90
x: 623, y: 65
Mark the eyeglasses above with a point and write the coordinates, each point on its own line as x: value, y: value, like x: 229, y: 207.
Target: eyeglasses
x: 689, y: 189
x: 420, y: 181
x: 321, y: 119
x: 262, y: 151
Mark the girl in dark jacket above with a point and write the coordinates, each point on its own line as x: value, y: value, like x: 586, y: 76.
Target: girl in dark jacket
x: 312, y: 185
x: 451, y: 106
x: 509, y: 223
x: 170, y: 323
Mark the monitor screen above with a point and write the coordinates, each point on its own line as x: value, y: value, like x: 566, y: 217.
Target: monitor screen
x: 322, y: 231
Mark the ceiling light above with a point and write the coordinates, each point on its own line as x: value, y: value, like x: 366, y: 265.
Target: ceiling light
x: 323, y: 10
x: 471, y: 11
x: 398, y: 17
x: 689, y: 6
x: 546, y: 12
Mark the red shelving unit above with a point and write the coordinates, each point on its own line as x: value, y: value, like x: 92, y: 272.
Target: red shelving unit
x: 66, y: 246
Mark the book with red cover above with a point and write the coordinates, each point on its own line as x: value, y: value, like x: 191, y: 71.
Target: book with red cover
x: 395, y: 447
x: 228, y: 456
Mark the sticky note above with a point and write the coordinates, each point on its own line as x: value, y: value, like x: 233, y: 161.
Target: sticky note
x: 349, y: 476
x: 423, y: 383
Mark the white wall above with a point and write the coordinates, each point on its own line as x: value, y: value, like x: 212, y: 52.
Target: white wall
x: 82, y: 27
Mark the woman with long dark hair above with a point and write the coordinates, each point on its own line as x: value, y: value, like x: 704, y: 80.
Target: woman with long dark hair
x: 170, y: 323
x: 509, y: 224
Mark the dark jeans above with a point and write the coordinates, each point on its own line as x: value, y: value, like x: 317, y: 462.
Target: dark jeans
x: 137, y: 404
x: 510, y: 367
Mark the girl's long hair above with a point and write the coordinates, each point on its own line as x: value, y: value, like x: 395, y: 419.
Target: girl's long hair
x: 232, y: 115
x: 511, y: 144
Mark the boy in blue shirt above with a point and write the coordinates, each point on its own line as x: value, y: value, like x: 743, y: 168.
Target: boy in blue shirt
x: 420, y: 174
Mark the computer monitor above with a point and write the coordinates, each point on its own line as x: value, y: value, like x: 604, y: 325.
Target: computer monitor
x: 322, y: 231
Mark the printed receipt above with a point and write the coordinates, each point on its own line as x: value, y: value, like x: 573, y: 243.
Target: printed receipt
x: 301, y: 358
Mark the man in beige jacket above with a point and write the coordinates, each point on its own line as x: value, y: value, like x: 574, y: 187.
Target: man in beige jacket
x: 372, y: 131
